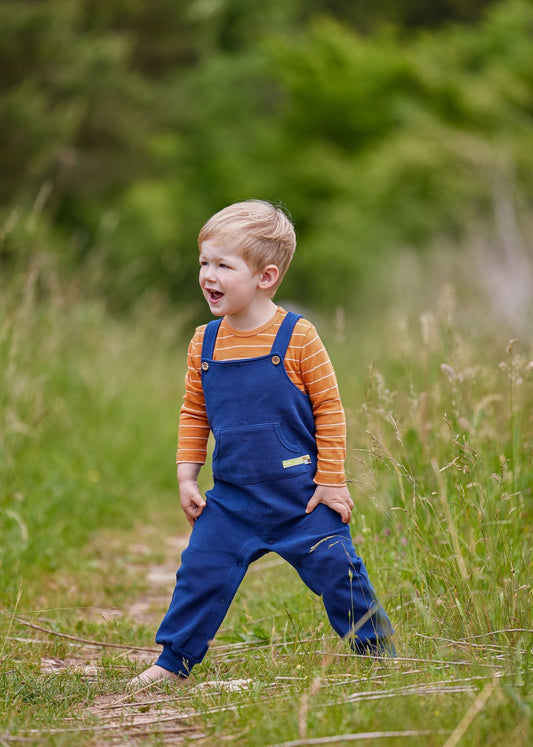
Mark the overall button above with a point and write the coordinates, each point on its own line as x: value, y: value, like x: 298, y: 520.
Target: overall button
x: 205, y: 365
x: 276, y: 360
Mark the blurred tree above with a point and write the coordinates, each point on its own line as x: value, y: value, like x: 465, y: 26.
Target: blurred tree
x: 407, y: 14
x: 72, y: 112
x: 144, y: 118
x: 165, y: 34
x: 373, y: 142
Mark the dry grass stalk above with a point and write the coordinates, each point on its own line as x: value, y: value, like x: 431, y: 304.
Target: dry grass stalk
x: 358, y: 737
x: 86, y: 641
x: 476, y: 707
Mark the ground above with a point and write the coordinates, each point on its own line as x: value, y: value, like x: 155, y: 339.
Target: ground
x: 125, y: 718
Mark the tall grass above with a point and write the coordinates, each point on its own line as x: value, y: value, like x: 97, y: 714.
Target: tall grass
x: 443, y: 477
x: 87, y: 420
x: 440, y: 413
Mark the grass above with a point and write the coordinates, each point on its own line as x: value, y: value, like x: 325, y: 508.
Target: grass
x: 439, y: 407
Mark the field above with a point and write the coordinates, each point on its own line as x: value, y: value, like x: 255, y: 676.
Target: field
x: 439, y: 400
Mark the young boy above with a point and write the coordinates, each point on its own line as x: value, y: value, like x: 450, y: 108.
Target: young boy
x: 260, y: 379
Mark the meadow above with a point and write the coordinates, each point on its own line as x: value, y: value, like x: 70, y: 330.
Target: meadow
x: 438, y: 393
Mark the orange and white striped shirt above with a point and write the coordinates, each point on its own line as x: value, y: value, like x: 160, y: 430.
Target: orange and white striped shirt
x: 309, y: 368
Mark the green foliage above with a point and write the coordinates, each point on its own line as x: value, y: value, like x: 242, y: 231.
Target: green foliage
x: 406, y: 13
x: 70, y: 104
x: 140, y: 120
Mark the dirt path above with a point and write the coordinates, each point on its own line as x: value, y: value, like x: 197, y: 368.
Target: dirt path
x: 163, y: 710
x: 133, y: 718
x: 160, y: 582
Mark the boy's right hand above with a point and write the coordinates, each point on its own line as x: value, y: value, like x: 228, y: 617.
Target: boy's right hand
x: 191, y: 499
x: 191, y: 502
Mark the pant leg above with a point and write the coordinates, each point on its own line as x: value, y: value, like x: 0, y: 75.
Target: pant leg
x: 322, y: 552
x: 212, y: 568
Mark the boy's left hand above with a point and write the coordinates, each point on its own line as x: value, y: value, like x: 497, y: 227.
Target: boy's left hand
x: 337, y: 498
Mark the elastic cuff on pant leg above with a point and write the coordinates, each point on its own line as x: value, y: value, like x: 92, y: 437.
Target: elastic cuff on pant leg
x: 176, y: 663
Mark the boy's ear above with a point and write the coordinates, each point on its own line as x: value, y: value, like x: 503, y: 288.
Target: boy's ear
x: 268, y: 277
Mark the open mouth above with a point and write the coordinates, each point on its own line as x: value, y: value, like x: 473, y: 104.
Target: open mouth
x: 214, y: 295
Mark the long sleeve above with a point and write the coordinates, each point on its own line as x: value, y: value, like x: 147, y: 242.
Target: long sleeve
x: 193, y: 430
x: 320, y: 382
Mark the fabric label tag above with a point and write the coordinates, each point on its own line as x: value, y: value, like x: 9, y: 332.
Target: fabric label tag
x: 305, y: 459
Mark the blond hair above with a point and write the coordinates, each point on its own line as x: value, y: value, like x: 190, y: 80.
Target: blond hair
x: 263, y: 232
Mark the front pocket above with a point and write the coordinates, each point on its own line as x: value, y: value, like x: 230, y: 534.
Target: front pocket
x: 257, y: 453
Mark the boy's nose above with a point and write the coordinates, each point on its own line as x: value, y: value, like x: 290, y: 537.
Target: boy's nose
x: 207, y: 273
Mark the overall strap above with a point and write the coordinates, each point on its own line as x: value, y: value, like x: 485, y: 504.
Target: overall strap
x: 285, y: 330
x: 210, y: 336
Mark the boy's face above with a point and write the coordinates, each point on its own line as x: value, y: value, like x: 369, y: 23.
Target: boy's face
x: 229, y: 286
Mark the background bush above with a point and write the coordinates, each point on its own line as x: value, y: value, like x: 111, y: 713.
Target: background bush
x: 129, y: 124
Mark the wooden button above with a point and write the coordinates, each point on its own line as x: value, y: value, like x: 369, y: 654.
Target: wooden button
x: 276, y: 360
x: 205, y: 365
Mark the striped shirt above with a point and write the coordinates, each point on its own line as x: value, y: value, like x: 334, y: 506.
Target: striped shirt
x: 309, y: 368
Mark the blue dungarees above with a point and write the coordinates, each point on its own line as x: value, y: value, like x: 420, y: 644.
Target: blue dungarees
x: 263, y: 466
